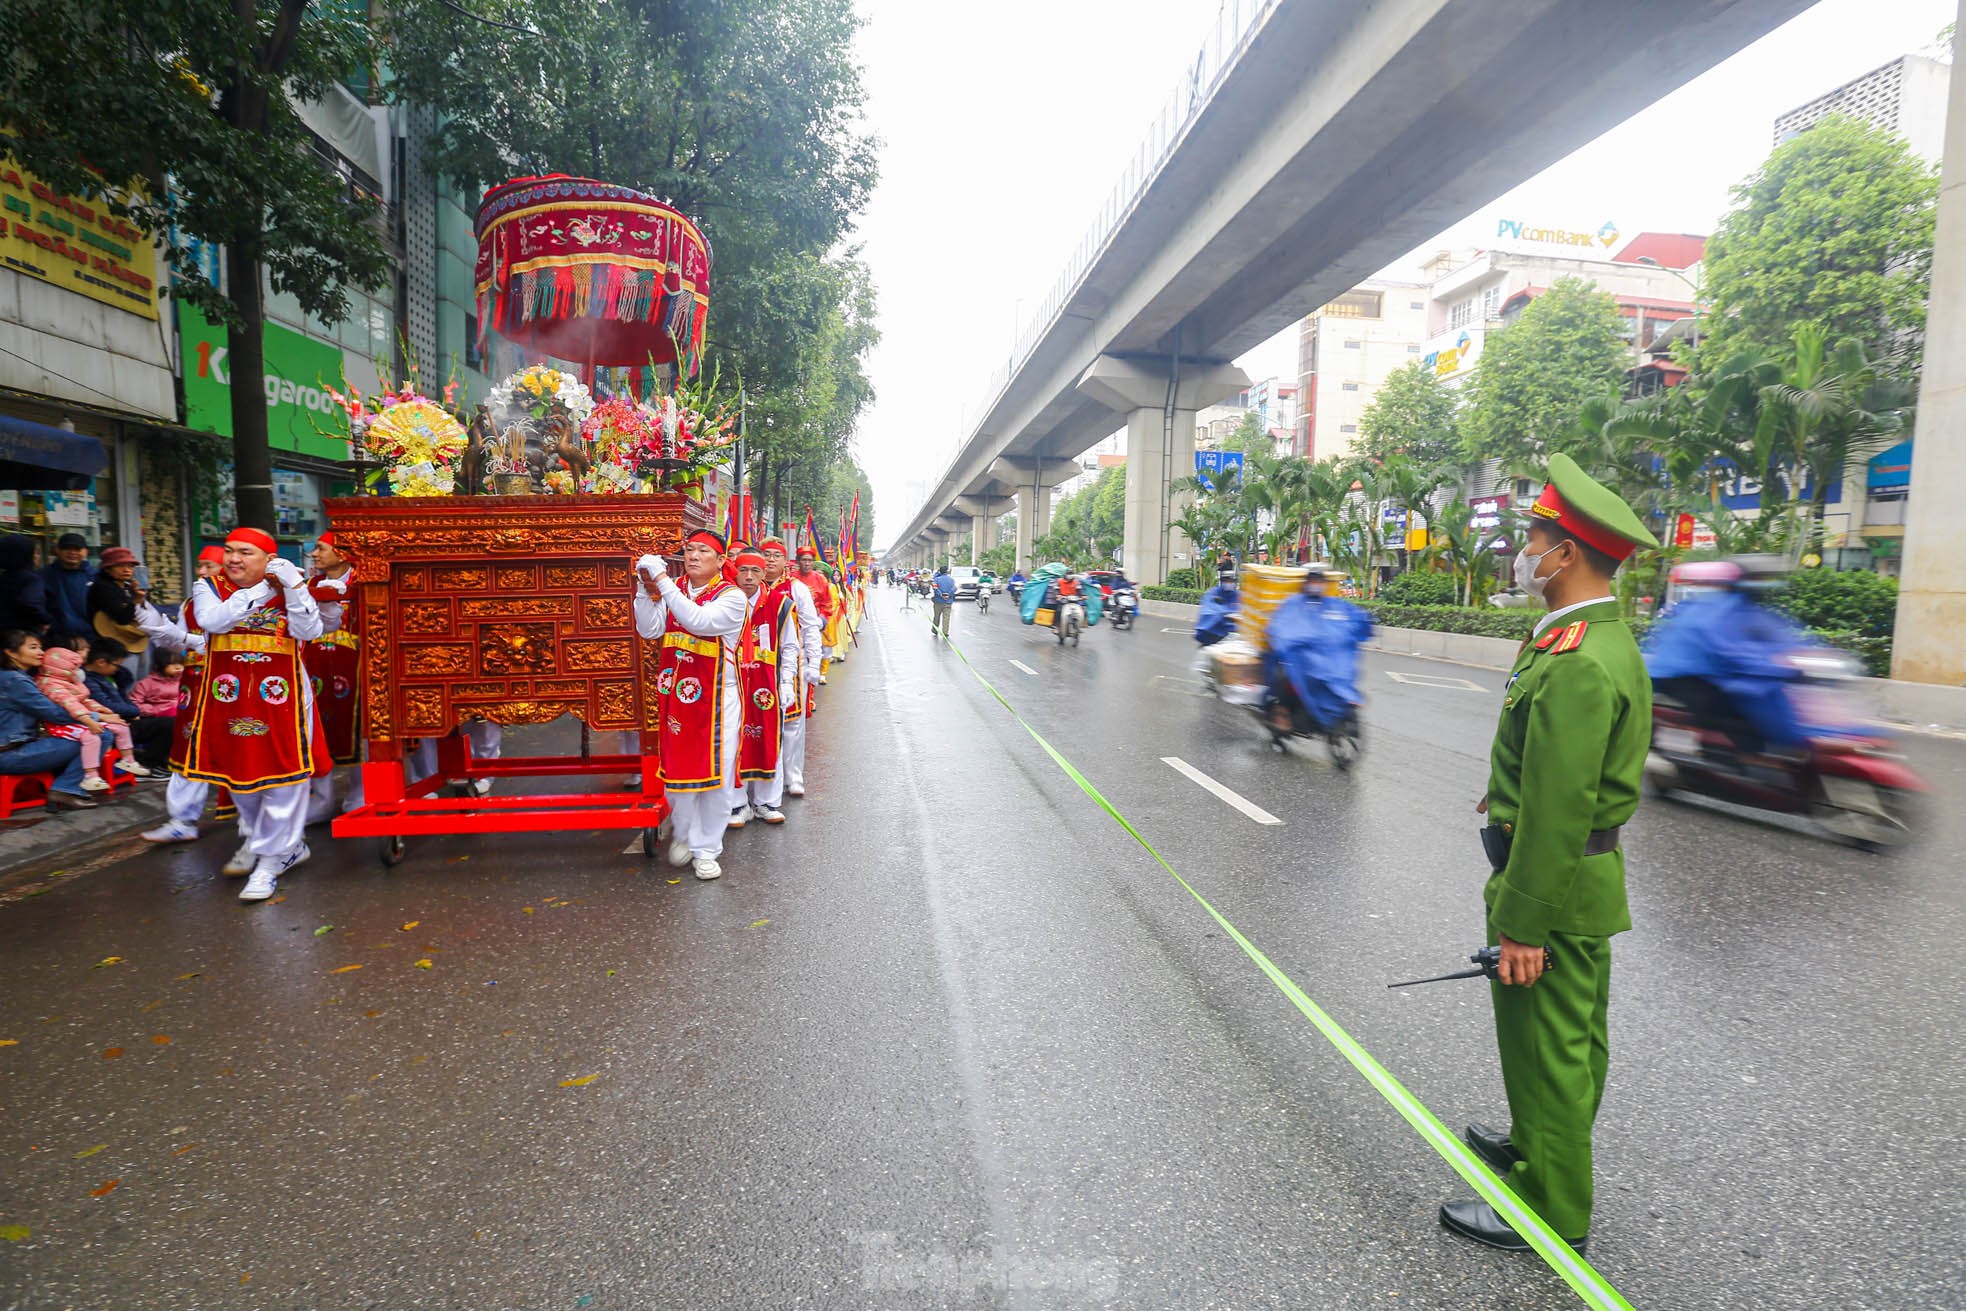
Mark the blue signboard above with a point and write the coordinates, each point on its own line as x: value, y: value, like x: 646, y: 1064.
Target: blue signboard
x: 1740, y: 492
x: 1210, y: 465
x: 1890, y: 471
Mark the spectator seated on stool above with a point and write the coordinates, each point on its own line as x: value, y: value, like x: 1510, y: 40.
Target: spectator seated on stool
x: 110, y: 683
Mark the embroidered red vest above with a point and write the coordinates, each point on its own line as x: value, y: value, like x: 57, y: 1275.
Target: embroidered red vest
x: 251, y: 723
x: 691, y: 688
x: 334, y: 663
x: 758, y: 680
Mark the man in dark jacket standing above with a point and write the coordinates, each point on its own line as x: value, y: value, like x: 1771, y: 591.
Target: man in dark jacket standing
x: 23, y: 596
x: 67, y: 584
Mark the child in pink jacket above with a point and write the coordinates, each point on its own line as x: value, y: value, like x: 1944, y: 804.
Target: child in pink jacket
x: 61, y: 682
x: 156, y: 692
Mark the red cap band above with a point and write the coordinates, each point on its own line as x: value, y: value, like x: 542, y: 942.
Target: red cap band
x: 215, y: 554
x: 253, y: 537
x: 747, y: 556
x: 325, y: 539
x: 772, y: 544
x: 708, y: 537
x: 1550, y: 505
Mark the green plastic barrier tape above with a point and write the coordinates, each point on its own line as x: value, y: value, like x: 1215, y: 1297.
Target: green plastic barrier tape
x: 1588, y: 1284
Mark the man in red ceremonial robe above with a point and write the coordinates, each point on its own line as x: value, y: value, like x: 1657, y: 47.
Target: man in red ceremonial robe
x: 334, y: 662
x: 698, y: 708
x: 798, y: 663
x: 253, y: 727
x: 184, y: 798
x: 764, y: 683
x: 825, y: 598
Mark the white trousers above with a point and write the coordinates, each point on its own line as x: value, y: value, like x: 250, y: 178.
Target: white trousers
x: 768, y: 791
x: 792, y: 754
x: 702, y: 817
x: 273, y: 821
x: 185, y: 799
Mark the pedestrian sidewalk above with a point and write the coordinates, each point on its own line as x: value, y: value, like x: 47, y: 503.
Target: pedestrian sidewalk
x: 26, y: 841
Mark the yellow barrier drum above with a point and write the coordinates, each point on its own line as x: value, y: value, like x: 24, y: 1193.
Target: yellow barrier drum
x: 1264, y: 587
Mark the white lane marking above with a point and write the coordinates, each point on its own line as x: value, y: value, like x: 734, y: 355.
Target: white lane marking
x: 1026, y: 668
x: 1177, y: 630
x: 1236, y: 799
x: 1434, y: 680
x: 633, y: 848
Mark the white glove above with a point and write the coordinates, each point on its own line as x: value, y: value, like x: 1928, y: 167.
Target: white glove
x: 651, y: 566
x: 285, y: 571
x: 786, y: 694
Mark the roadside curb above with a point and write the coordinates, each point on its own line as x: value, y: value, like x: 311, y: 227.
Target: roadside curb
x: 68, y: 832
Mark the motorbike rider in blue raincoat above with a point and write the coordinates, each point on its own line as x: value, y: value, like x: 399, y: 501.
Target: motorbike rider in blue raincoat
x: 1724, y: 654
x: 1218, y: 611
x: 1311, y: 659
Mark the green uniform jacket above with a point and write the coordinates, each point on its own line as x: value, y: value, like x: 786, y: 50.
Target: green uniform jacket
x: 1569, y: 757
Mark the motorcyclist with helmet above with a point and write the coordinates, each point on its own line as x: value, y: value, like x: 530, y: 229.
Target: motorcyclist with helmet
x: 1724, y: 653
x: 1311, y: 660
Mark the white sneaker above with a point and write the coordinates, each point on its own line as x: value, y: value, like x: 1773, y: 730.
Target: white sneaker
x: 481, y: 786
x: 133, y: 768
x: 632, y: 783
x: 679, y: 852
x: 707, y: 868
x: 769, y: 814
x: 738, y: 818
x: 243, y: 862
x: 295, y: 857
x: 265, y: 879
x: 172, y: 831
x: 94, y: 783
x: 822, y: 680
x: 795, y: 789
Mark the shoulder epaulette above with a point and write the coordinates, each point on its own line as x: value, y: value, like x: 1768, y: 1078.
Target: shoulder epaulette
x: 1571, y: 638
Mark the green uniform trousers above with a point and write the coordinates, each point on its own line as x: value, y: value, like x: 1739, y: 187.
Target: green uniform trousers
x: 1555, y: 1051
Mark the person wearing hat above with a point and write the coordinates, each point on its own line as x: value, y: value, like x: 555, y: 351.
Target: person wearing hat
x: 66, y: 583
x: 798, y: 666
x: 1565, y: 774
x: 113, y: 597
x: 253, y: 728
x: 698, y: 710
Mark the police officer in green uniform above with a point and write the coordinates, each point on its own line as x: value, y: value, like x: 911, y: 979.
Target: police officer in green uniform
x: 1564, y: 776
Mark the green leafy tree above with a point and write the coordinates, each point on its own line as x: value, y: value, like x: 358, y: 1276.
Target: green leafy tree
x: 1412, y: 414
x: 181, y: 117
x: 1250, y: 436
x: 1834, y: 229
x: 1537, y: 374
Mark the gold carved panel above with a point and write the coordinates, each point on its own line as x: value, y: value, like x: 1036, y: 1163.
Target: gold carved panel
x: 479, y: 689
x: 569, y: 576
x: 376, y: 706
x: 433, y: 659
x: 596, y: 657
x: 516, y: 649
x: 532, y: 712
x: 615, y: 703
x: 425, y: 618
x: 516, y: 578
x: 616, y: 575
x: 423, y: 710
x: 516, y: 607
x: 607, y: 612
x: 454, y: 578
x: 409, y: 580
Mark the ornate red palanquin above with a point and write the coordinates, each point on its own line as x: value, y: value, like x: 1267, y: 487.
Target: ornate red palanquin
x: 515, y: 609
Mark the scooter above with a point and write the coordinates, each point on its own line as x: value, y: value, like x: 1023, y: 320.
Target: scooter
x: 1847, y: 780
x: 1344, y: 738
x: 1069, y: 620
x: 1122, y: 600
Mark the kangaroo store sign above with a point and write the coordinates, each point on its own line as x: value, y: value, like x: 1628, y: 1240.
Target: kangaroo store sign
x: 77, y: 245
x: 300, y: 415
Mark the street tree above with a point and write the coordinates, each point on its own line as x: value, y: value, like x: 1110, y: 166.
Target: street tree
x: 182, y: 118
x: 1412, y: 414
x: 1537, y: 373
x: 1835, y: 228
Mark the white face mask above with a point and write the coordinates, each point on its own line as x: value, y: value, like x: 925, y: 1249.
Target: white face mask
x: 1526, y: 566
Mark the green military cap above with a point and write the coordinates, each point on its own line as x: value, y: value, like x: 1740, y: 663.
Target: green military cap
x: 1589, y: 511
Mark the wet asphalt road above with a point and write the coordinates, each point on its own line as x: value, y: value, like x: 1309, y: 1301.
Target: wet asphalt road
x: 951, y: 1039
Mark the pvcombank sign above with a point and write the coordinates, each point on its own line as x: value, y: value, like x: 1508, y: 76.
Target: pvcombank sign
x: 1530, y: 233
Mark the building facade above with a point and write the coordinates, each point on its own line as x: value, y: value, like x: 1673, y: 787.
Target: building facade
x: 1344, y: 352
x: 1906, y: 96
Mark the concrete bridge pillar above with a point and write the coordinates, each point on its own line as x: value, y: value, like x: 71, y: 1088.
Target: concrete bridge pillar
x: 983, y: 512
x: 1930, y: 641
x: 1160, y: 447
x: 1034, y: 479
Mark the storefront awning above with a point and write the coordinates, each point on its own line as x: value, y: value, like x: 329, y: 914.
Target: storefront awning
x: 24, y: 442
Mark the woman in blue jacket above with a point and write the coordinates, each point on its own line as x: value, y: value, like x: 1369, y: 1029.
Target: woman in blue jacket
x: 24, y: 749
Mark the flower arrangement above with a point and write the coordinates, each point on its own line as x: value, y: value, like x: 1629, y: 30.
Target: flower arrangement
x: 534, y: 390
x: 417, y: 439
x: 559, y: 482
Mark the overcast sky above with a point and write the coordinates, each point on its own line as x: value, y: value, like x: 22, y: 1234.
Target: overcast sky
x: 1004, y: 125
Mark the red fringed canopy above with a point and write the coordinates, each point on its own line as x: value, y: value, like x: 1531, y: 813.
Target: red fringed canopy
x: 591, y: 273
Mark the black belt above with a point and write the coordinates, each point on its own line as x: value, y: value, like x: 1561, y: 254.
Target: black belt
x: 1497, y: 839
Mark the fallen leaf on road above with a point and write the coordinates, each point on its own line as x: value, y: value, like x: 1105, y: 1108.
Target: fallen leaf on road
x: 428, y: 946
x: 610, y: 974
x: 108, y: 960
x: 526, y: 909
x: 758, y: 924
x: 111, y: 1053
x: 424, y: 964
x: 345, y: 969
x: 372, y: 1014
x: 14, y: 1233
x: 153, y: 1005
x: 161, y: 1039
x: 674, y: 882
x: 188, y: 1147
x: 9, y: 1042
x: 325, y: 928
x: 193, y: 975
x: 455, y: 859
x: 277, y: 900
x: 581, y: 1082
x: 412, y: 924
x: 106, y: 1189
x: 87, y: 1152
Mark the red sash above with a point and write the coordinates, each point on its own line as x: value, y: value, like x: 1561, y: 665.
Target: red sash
x: 691, y: 685
x: 250, y: 724
x: 334, y: 666
x: 757, y: 682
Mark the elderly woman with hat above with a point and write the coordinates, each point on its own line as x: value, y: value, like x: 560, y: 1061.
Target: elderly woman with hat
x: 113, y: 598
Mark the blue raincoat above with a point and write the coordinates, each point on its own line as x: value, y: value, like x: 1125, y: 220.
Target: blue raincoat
x: 1218, y: 614
x: 1314, y: 641
x: 1039, y: 586
x: 1737, y: 644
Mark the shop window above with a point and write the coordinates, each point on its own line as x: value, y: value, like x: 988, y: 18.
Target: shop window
x: 1351, y: 345
x: 296, y: 504
x: 1462, y: 314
